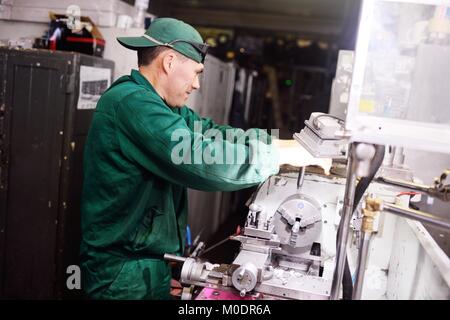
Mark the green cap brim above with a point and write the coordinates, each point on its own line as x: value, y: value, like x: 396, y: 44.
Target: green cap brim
x: 135, y: 43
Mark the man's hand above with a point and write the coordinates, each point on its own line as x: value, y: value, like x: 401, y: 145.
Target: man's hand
x: 176, y: 289
x: 292, y: 153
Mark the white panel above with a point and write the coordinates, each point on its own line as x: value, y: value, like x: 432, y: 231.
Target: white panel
x: 418, y: 267
x: 15, y: 29
x: 400, y: 89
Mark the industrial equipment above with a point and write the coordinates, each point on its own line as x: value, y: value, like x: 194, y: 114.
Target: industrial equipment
x: 308, y: 235
x: 286, y: 244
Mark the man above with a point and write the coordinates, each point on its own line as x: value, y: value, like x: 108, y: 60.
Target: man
x: 134, y: 205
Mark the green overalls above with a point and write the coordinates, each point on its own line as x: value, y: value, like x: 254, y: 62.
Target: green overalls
x: 134, y: 203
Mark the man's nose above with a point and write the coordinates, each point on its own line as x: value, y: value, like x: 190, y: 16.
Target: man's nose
x: 196, y: 83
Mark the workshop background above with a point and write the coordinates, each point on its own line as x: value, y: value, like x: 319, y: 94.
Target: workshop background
x: 271, y: 64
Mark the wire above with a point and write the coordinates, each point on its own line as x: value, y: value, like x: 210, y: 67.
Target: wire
x: 408, y: 193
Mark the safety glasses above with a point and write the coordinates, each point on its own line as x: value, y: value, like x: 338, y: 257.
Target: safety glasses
x: 202, y: 48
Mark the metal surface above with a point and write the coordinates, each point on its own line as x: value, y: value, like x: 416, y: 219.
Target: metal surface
x: 295, y: 285
x: 347, y: 212
x: 258, y: 259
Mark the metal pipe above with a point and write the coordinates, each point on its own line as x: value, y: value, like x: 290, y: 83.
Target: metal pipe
x: 362, y: 260
x: 174, y: 258
x: 404, y: 184
x: 347, y: 211
x: 421, y: 216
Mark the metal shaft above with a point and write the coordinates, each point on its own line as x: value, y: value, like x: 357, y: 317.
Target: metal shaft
x: 174, y: 258
x: 301, y: 177
x: 404, y: 184
x: 362, y: 260
x: 347, y: 210
x: 417, y: 215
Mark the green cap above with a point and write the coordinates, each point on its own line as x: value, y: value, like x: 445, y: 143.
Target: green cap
x: 172, y: 33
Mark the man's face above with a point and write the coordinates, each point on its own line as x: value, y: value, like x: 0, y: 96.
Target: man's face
x: 183, y: 79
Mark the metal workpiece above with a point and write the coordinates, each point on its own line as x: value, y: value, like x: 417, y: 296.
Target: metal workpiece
x: 174, y: 258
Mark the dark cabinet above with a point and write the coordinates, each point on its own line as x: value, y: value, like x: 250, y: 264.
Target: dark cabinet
x: 43, y: 127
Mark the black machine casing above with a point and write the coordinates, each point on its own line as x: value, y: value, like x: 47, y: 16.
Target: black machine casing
x: 42, y: 135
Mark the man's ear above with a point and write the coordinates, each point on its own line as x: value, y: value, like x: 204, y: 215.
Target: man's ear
x: 168, y: 60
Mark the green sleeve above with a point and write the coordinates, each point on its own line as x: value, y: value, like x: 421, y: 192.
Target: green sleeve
x: 154, y: 136
x: 191, y: 117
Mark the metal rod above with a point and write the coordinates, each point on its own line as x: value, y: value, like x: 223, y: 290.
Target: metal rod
x: 421, y: 216
x: 197, y: 249
x: 442, y: 192
x: 362, y: 260
x: 174, y: 258
x: 404, y: 184
x: 347, y: 210
x: 301, y: 177
x: 216, y: 245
